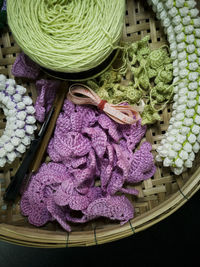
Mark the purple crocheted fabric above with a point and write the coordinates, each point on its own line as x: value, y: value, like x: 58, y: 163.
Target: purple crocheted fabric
x: 87, y: 146
x: 46, y: 90
x: 25, y: 67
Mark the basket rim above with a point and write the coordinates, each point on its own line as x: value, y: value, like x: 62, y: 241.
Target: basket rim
x: 43, y: 238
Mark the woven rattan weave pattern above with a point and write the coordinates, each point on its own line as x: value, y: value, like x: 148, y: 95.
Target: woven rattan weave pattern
x: 158, y: 196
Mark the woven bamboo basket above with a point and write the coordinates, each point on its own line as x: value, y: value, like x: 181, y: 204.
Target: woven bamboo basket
x: 158, y: 197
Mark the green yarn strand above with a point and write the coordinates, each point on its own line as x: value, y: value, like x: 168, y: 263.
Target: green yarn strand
x: 67, y: 35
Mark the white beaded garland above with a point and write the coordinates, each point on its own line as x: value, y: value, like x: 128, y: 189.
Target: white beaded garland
x: 20, y: 125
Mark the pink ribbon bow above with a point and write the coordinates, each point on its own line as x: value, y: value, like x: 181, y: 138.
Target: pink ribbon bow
x: 83, y: 95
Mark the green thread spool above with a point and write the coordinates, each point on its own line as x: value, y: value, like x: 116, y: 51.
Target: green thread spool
x: 67, y: 36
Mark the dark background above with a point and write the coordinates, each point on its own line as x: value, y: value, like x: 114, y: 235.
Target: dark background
x: 174, y: 242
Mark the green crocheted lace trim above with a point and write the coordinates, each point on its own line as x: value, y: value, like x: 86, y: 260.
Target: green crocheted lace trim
x: 144, y: 74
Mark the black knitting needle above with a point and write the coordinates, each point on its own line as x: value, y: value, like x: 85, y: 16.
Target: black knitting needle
x: 13, y: 189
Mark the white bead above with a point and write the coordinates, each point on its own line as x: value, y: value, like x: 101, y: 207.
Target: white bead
x: 189, y: 29
x: 172, y: 154
x: 181, y: 108
x: 183, y: 91
x: 20, y: 133
x: 21, y: 148
x: 192, y: 57
x: 181, y: 46
x: 197, y: 43
x: 196, y: 147
x: 192, y: 138
x: 181, y: 138
x: 198, y: 51
x: 160, y: 7
x: 180, y: 3
x: 158, y: 158
x: 30, y: 120
x: 189, y: 113
x: 183, y: 64
x: 2, y: 79
x: 10, y: 90
x: 179, y: 162
x: 194, y: 12
x: 2, y: 162
x: 191, y: 103
x: 15, y: 141
x: 182, y: 99
x: 171, y: 38
x: 20, y: 105
x: 183, y: 73
x: 187, y: 147
x: 182, y: 55
x: 193, y: 76
x: 164, y: 153
x: 2, y: 152
x: 173, y: 12
x: 20, y: 124
x: 190, y: 38
x: 188, y: 121
x: 175, y: 63
x: 184, y: 130
x: 11, y: 156
x: 191, y: 4
x: 176, y: 72
x: 183, y: 155
x: 188, y: 163
x: 195, y: 129
x: 197, y: 119
x: 196, y: 22
x: 197, y: 33
x: 169, y: 4
x: 176, y: 20
x: 191, y: 156
x: 190, y: 48
x: 177, y: 147
x: 177, y: 171
x: 171, y: 139
x: 184, y: 11
x: 8, y: 147
x: 180, y: 116
x: 186, y: 20
x: 180, y: 37
x: 11, y: 82
x: 198, y: 110
x: 166, y: 22
x: 30, y: 109
x: 21, y: 115
x: 17, y: 98
x: 20, y: 90
x: 178, y: 29
x: 29, y: 129
x: 167, y: 162
x: 26, y: 140
x: 27, y: 100
x: 174, y: 55
x: 192, y: 95
x: 5, y: 100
